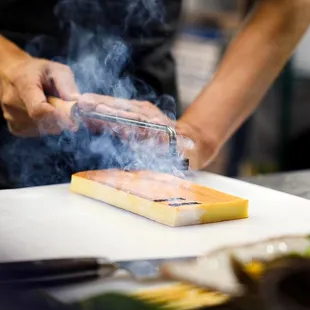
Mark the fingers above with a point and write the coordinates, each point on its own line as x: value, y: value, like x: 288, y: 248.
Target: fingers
x: 24, y: 102
x: 199, y: 147
x: 188, y: 149
x: 19, y: 123
x: 47, y: 119
x: 23, y: 130
x: 60, y: 79
x: 28, y: 86
x: 137, y: 110
x: 35, y: 101
x: 90, y: 102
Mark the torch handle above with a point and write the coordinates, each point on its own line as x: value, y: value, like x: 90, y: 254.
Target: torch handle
x: 72, y: 109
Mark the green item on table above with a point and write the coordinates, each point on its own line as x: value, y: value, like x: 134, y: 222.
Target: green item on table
x: 115, y: 301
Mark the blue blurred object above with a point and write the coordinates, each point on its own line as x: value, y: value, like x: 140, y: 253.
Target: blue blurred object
x: 204, y: 32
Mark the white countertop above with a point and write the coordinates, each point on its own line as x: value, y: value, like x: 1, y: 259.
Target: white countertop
x: 50, y: 221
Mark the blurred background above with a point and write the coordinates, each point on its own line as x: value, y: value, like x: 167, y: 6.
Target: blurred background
x: 277, y: 137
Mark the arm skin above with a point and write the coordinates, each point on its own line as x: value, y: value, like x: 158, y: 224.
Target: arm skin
x: 10, y: 54
x: 251, y: 64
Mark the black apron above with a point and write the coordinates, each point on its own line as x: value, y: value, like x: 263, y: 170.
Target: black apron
x: 120, y: 48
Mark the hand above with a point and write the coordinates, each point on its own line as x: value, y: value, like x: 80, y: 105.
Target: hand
x: 23, y: 90
x: 198, y: 147
x: 132, y: 109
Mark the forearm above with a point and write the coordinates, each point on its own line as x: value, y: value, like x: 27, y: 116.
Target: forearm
x: 251, y: 64
x: 10, y: 54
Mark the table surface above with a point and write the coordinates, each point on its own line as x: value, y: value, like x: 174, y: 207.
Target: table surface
x: 52, y: 222
x: 295, y: 183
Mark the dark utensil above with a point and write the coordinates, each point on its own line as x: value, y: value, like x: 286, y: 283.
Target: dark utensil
x: 70, y: 270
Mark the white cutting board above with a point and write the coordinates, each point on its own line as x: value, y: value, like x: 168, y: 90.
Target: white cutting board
x: 47, y: 222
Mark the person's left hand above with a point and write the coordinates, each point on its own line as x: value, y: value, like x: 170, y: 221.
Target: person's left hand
x: 197, y: 147
x: 137, y: 110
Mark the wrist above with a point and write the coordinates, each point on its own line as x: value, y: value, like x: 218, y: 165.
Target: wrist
x: 218, y: 113
x: 209, y: 115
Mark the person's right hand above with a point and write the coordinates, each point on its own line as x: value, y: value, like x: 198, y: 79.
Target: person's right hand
x: 24, y: 86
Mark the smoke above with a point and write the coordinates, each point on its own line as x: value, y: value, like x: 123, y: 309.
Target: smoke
x: 105, y: 40
x: 143, y: 12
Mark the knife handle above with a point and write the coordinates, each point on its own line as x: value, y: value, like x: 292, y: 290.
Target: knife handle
x: 50, y: 267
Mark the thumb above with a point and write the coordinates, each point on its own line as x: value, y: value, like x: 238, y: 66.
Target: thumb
x: 36, y: 102
x: 40, y: 111
x: 60, y: 80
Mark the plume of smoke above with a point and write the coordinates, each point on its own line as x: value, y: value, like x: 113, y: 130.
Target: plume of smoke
x: 101, y: 59
x: 143, y: 12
